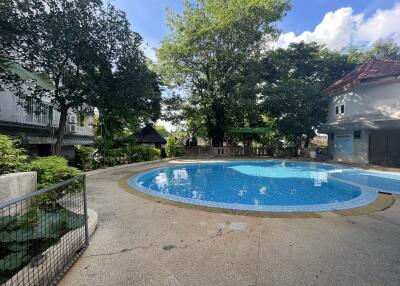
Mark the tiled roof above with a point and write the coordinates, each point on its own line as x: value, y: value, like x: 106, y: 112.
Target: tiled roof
x: 372, y: 69
x: 149, y: 135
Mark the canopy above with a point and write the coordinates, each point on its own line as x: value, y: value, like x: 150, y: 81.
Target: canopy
x: 249, y: 130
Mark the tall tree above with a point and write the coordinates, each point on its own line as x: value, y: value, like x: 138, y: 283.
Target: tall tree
x: 211, y: 50
x: 119, y: 83
x: 54, y: 37
x: 294, y: 78
x: 384, y: 50
x: 89, y: 52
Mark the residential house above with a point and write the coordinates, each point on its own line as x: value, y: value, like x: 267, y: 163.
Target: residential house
x: 363, y: 123
x: 40, y: 128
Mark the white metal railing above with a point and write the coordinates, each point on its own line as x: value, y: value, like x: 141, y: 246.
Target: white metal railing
x: 230, y: 151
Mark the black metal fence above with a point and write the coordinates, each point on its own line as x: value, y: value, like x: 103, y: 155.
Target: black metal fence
x: 43, y: 233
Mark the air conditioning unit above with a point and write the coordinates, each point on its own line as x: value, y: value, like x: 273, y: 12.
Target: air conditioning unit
x: 72, y: 119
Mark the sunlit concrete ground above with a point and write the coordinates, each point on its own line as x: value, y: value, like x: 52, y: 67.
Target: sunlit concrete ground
x: 141, y: 242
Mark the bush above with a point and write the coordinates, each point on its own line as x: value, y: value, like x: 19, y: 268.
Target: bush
x: 144, y: 153
x: 25, y: 236
x: 11, y: 157
x: 50, y: 171
x: 84, y: 157
x: 173, y: 148
x: 126, y: 155
x: 117, y: 156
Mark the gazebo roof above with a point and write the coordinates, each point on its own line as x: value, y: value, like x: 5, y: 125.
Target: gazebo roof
x: 149, y: 135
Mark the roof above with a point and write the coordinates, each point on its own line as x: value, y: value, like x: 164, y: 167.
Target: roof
x: 149, y: 135
x: 372, y: 69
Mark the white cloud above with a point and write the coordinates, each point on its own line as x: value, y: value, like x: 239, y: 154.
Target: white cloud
x: 342, y: 27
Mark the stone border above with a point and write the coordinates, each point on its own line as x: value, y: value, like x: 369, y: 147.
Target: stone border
x: 69, y: 246
x: 383, y: 202
x: 110, y: 169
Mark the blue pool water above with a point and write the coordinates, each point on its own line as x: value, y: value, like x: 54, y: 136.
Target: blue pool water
x: 273, y: 185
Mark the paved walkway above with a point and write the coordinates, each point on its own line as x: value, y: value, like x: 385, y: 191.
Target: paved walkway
x: 141, y: 242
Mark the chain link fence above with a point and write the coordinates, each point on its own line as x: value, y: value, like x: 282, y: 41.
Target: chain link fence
x: 43, y: 233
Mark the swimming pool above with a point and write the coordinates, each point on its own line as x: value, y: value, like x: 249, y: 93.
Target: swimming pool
x: 267, y: 185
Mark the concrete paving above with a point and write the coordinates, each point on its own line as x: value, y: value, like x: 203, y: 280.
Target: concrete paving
x: 142, y: 242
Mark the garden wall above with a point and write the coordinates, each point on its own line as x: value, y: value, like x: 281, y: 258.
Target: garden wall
x: 16, y: 185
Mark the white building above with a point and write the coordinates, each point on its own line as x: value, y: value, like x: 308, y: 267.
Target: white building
x: 41, y: 128
x: 364, y: 114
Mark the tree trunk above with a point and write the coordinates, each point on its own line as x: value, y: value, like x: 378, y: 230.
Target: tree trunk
x: 61, y: 130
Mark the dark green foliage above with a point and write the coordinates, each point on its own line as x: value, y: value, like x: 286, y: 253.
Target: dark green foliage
x: 213, y: 52
x: 11, y: 157
x: 91, y: 55
x: 84, y: 157
x: 173, y: 148
x: 144, y: 153
x: 127, y: 154
x: 294, y: 79
x: 52, y: 170
x: 26, y: 236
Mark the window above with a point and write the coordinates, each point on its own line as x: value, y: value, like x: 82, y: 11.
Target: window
x: 357, y: 134
x: 81, y: 120
x: 38, y: 112
x: 339, y: 109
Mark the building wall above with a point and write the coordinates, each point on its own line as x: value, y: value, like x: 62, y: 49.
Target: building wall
x: 368, y: 100
x: 360, y: 147
x: 11, y: 111
x: 381, y: 99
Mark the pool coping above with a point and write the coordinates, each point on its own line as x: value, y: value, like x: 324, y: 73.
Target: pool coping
x: 383, y: 202
x: 371, y: 198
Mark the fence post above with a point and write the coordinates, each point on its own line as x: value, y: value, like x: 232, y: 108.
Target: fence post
x: 85, y: 210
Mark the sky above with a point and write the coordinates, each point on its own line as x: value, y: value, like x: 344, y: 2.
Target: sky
x: 336, y: 23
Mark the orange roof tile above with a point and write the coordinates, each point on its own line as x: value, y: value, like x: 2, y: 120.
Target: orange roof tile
x: 372, y: 69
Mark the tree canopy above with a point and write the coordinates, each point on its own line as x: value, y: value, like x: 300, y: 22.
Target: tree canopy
x: 384, y: 50
x: 90, y: 54
x: 294, y: 79
x: 212, y: 51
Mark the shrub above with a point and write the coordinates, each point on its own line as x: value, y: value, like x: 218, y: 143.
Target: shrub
x: 11, y: 157
x: 84, y: 157
x: 173, y: 148
x: 144, y: 153
x: 52, y: 170
x: 25, y: 236
x: 117, y: 156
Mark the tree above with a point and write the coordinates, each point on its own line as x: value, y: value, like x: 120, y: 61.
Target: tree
x: 294, y: 79
x: 119, y: 83
x: 212, y: 50
x: 186, y: 117
x: 54, y: 37
x: 90, y: 54
x: 162, y: 131
x: 384, y: 50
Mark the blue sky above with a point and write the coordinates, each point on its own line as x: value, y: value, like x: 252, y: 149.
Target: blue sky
x: 336, y: 23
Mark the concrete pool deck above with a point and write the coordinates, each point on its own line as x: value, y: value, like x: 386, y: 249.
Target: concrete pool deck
x: 142, y: 242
